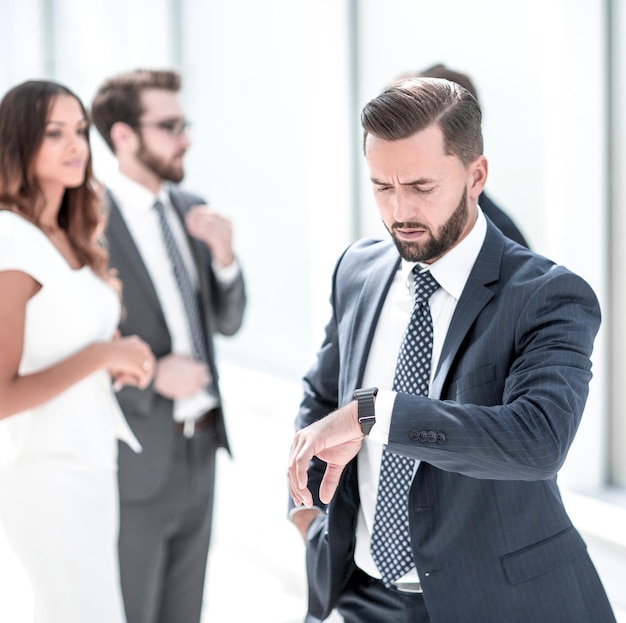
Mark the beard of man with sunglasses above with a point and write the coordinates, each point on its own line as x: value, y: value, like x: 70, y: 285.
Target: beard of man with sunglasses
x: 181, y: 284
x: 166, y: 167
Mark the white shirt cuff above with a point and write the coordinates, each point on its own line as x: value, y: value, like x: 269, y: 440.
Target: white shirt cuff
x: 226, y: 274
x: 383, y: 408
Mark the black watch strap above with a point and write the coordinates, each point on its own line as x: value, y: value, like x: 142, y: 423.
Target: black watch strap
x: 365, y: 405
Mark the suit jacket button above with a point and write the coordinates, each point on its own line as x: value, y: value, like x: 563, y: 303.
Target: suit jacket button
x: 441, y: 438
x: 423, y: 436
x: 432, y: 436
x: 413, y: 435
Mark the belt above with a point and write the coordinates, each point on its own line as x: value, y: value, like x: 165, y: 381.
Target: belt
x: 189, y: 428
x: 402, y: 587
x: 408, y: 587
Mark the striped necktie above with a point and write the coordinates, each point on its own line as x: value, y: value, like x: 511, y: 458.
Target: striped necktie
x: 188, y: 292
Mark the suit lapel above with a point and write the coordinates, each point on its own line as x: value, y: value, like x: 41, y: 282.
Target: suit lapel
x: 366, y: 315
x: 122, y: 246
x: 474, y: 297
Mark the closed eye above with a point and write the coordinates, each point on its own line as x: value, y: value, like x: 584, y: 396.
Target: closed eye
x: 381, y: 188
x: 423, y: 191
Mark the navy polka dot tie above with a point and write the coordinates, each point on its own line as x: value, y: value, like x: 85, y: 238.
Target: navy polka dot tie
x: 391, y: 542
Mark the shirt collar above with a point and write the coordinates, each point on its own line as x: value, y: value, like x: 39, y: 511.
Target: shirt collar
x: 452, y: 269
x: 133, y: 196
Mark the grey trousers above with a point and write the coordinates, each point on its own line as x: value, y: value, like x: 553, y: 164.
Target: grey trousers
x: 164, y: 541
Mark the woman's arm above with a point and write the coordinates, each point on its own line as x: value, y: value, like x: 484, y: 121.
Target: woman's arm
x: 128, y: 358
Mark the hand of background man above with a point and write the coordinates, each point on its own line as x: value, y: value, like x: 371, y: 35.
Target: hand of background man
x: 214, y: 230
x: 179, y: 376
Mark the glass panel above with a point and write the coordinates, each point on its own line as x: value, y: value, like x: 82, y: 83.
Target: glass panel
x: 617, y: 133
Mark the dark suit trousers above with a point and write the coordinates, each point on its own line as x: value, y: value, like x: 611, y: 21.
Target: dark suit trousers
x: 164, y: 541
x: 366, y: 600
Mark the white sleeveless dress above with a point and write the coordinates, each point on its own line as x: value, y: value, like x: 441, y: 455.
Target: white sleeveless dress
x: 58, y: 480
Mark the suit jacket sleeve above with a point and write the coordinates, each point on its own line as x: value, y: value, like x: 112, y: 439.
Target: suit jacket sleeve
x: 227, y: 303
x: 516, y: 393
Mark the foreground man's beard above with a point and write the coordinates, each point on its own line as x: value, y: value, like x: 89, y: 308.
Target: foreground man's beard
x: 435, y: 245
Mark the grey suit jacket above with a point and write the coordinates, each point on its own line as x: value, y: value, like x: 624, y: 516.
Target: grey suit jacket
x: 491, y: 539
x: 148, y: 413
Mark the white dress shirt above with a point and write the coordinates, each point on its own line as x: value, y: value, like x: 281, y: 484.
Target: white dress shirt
x: 136, y: 205
x: 451, y: 272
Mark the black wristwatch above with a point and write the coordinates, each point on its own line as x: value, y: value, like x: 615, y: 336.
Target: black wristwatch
x: 365, y: 405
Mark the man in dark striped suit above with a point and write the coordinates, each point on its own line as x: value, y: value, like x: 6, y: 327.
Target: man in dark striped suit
x: 488, y: 537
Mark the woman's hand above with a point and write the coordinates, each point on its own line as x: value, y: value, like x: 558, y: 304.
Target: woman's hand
x: 130, y: 362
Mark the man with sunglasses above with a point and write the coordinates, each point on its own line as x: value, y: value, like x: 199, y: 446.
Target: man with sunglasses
x: 181, y: 283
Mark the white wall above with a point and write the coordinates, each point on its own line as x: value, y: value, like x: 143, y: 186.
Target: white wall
x: 267, y: 89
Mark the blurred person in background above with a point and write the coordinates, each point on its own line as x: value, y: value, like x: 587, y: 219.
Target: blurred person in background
x: 59, y: 310
x: 182, y: 284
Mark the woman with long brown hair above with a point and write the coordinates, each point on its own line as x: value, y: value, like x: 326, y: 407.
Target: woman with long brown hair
x: 60, y: 359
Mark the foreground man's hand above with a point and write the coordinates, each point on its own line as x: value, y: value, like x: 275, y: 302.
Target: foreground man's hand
x: 335, y: 439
